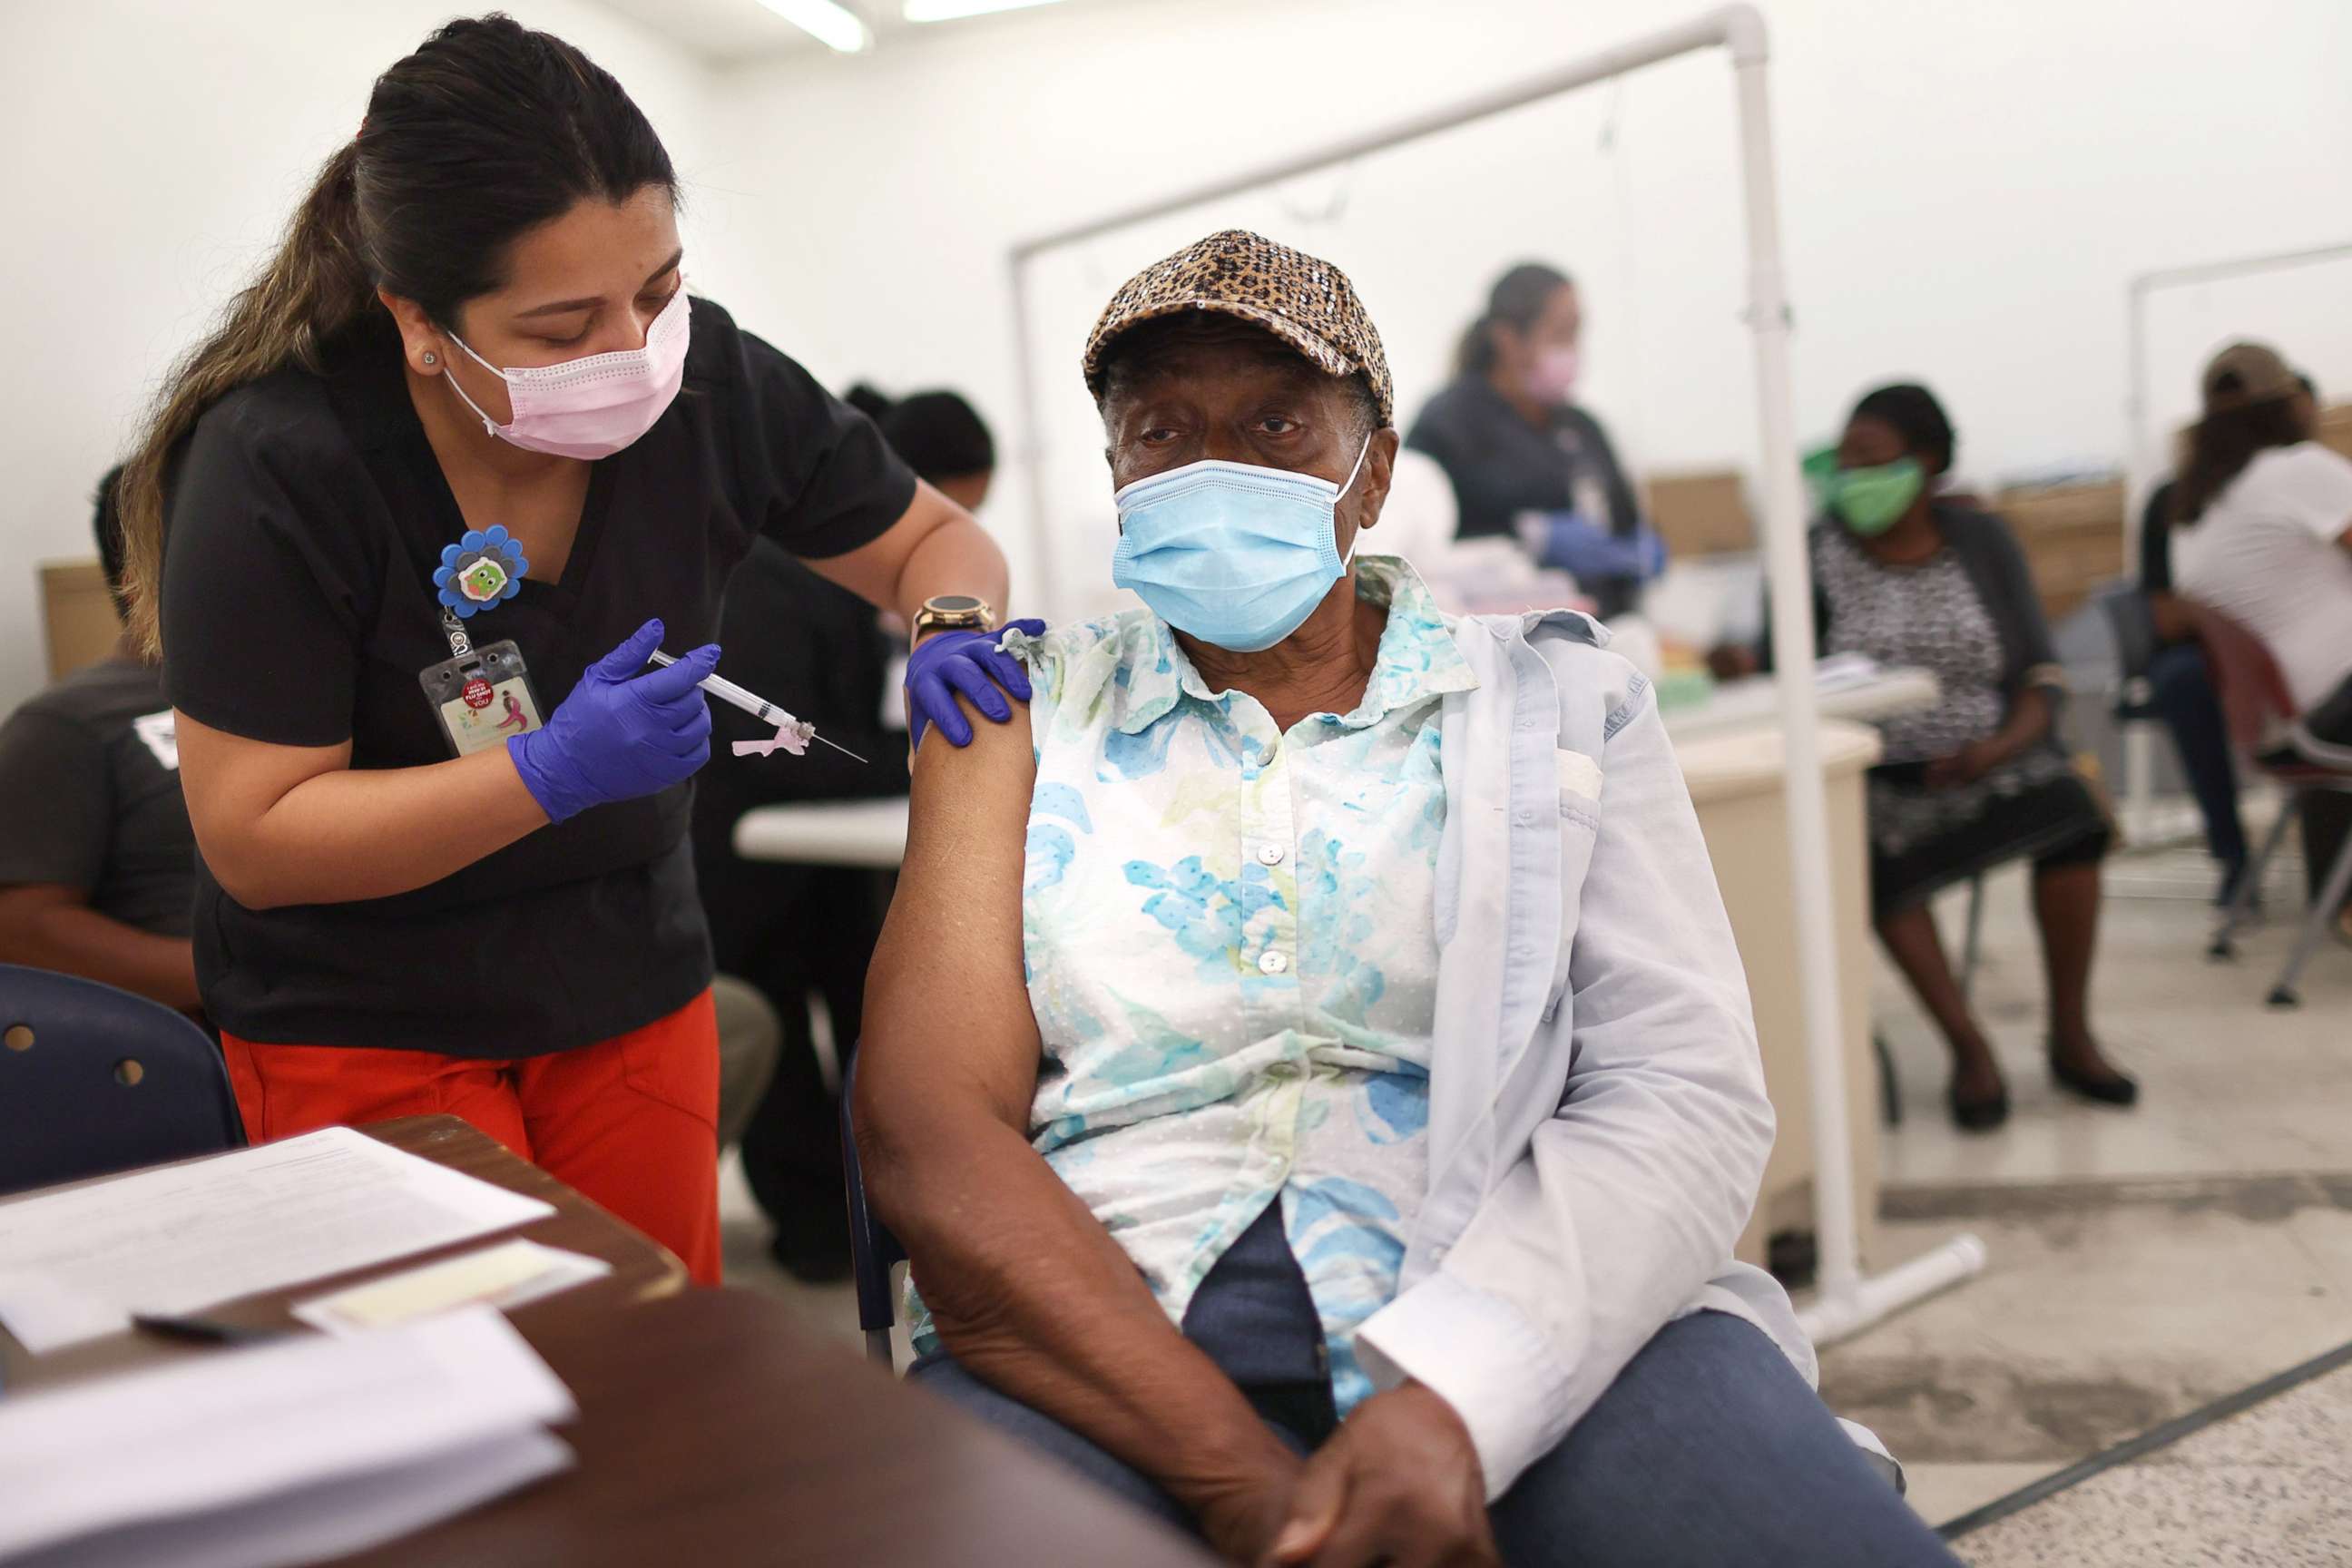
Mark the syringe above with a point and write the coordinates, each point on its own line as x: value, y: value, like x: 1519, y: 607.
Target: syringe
x: 751, y: 702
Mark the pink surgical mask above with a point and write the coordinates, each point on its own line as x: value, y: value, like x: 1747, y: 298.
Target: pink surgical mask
x: 594, y: 406
x: 1552, y: 378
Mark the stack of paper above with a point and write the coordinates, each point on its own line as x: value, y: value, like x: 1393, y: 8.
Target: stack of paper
x: 75, y: 1265
x: 287, y: 1454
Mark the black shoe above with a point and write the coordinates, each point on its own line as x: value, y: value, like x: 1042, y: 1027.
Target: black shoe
x: 2116, y: 1090
x: 1978, y: 1115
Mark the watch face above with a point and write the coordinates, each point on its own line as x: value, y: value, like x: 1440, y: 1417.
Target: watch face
x: 953, y: 605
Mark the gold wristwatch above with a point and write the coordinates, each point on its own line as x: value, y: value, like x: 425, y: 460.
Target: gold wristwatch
x: 952, y: 613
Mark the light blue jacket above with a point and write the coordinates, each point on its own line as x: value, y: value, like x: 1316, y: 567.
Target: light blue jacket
x: 1598, y: 1122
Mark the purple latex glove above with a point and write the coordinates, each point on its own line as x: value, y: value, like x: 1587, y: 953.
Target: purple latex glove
x: 1574, y: 544
x: 621, y: 734
x: 966, y: 662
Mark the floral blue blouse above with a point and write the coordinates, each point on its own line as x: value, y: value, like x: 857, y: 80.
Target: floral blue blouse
x: 1230, y: 953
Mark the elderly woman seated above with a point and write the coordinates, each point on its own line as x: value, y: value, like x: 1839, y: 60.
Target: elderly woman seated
x: 1312, y: 1075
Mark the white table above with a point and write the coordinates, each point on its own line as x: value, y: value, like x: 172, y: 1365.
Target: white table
x: 1754, y: 703
x: 834, y: 833
x: 874, y: 832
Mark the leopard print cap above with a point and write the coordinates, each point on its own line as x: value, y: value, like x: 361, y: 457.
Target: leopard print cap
x: 1307, y: 302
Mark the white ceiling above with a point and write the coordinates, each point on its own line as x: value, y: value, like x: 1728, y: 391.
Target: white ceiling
x: 724, y: 32
x: 731, y: 32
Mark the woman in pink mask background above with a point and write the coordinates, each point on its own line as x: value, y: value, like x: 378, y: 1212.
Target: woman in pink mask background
x: 1526, y: 461
x: 466, y: 439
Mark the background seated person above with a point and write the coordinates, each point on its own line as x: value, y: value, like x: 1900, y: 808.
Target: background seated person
x: 2180, y: 688
x: 1981, y: 779
x: 2267, y: 542
x: 98, y: 864
x: 1528, y: 461
x: 2180, y: 679
x: 804, y: 934
x: 1311, y: 1073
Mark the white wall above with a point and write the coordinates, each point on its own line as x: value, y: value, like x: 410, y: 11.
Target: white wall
x: 1964, y: 190
x: 154, y: 149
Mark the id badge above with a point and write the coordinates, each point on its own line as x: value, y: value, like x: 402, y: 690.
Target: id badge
x: 481, y: 698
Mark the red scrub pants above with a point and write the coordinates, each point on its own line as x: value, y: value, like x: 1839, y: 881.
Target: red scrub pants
x: 630, y: 1121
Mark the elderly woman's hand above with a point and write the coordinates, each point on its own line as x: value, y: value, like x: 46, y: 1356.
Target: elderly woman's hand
x: 1240, y: 1521
x: 1398, y: 1482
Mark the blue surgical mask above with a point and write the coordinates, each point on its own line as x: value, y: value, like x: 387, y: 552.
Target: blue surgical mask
x: 1233, y: 553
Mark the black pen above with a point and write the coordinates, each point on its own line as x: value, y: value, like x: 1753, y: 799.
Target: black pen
x: 203, y: 1331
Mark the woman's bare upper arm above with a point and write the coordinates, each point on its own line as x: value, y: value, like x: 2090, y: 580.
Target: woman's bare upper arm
x: 946, y: 1007
x: 873, y: 570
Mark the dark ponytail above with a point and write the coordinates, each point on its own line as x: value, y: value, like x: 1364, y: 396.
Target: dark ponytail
x: 2219, y: 446
x: 1517, y: 299
x: 488, y: 131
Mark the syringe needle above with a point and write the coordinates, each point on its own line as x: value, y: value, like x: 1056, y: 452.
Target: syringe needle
x: 755, y: 704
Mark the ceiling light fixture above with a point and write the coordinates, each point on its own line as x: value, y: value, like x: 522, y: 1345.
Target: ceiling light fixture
x: 956, y: 10
x: 834, y: 26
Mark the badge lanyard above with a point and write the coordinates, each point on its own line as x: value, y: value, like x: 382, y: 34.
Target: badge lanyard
x: 479, y: 695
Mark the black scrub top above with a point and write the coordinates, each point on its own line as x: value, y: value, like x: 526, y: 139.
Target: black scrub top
x: 306, y: 516
x: 1502, y: 466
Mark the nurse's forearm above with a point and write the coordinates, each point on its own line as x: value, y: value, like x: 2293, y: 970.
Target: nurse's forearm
x: 351, y: 833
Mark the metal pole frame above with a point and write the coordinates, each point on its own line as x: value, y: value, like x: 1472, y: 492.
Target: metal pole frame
x: 1847, y: 1300
x: 2137, y: 293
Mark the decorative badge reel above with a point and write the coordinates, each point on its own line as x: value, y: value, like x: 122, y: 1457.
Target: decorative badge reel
x: 479, y: 571
x: 481, y: 695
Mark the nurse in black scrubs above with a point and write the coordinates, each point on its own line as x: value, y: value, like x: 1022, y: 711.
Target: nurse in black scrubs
x: 1525, y: 460
x: 408, y: 527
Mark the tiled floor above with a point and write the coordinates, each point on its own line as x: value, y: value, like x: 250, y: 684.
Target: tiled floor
x: 2270, y: 1487
x: 2142, y: 1263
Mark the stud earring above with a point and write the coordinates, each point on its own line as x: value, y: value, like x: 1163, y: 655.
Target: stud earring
x: 432, y: 358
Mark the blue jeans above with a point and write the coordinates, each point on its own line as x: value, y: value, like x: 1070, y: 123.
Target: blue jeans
x: 2180, y: 688
x: 1708, y: 1449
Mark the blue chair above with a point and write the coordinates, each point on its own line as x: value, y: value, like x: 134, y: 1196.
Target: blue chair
x: 94, y: 1080
x: 872, y: 1248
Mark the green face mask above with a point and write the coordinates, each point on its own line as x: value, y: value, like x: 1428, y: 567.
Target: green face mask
x: 1872, y: 501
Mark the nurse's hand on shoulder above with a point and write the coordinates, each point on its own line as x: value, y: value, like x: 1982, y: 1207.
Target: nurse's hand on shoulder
x: 947, y: 663
x: 623, y: 732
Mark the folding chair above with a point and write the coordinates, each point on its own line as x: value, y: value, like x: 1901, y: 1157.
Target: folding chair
x: 94, y: 1080
x: 2254, y: 700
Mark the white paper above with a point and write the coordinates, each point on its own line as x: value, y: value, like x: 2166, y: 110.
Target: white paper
x: 235, y: 1430
x: 1836, y: 670
x: 76, y: 1265
x: 504, y: 1276
x: 332, y: 1519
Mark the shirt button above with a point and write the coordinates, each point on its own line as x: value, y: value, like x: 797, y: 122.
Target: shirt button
x: 1269, y: 854
x: 1273, y: 961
